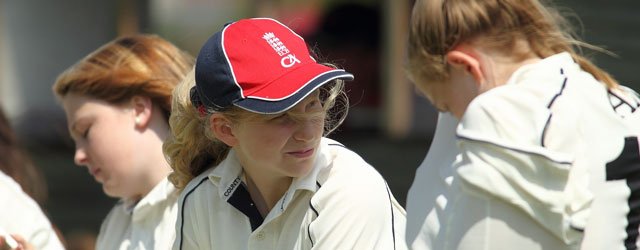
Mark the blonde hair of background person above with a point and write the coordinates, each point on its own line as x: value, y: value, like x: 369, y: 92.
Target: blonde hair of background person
x: 21, y: 189
x: 250, y: 153
x: 117, y: 100
x: 545, y: 140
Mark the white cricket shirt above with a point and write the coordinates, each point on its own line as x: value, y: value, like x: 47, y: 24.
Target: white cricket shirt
x: 615, y: 211
x: 429, y: 192
x: 19, y: 214
x: 343, y: 203
x: 148, y: 224
x: 532, y: 156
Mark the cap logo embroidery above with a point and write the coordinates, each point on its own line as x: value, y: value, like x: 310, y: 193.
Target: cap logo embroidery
x: 287, y: 60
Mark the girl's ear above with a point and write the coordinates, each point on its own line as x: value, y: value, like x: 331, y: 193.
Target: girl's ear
x: 142, y: 111
x: 221, y: 128
x: 465, y: 60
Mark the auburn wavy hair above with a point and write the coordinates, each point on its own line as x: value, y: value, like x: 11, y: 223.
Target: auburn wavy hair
x: 142, y: 64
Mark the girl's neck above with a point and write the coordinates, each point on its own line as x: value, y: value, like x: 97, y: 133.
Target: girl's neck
x: 266, y: 192
x: 504, y: 71
x: 499, y: 66
x: 150, y: 181
x: 156, y: 165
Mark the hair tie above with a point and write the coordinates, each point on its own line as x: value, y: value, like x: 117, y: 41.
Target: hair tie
x: 196, y: 102
x: 202, y: 110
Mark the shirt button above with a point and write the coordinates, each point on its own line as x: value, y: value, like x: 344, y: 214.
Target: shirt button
x: 260, y: 236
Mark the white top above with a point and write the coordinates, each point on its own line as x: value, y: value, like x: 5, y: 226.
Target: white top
x: 615, y: 211
x: 343, y: 203
x: 532, y: 156
x: 148, y: 224
x: 19, y: 214
x: 429, y: 192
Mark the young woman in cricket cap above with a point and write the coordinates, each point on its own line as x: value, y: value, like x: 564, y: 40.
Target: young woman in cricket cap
x: 250, y: 153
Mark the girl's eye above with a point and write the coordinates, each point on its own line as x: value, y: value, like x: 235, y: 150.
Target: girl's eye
x: 315, y: 104
x: 85, y: 134
x: 279, y: 117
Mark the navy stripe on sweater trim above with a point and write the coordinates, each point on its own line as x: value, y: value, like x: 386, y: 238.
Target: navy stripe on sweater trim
x: 309, y: 226
x: 184, y: 201
x: 553, y: 100
x: 393, y: 223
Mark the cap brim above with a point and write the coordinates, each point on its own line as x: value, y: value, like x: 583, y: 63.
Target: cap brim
x: 265, y: 106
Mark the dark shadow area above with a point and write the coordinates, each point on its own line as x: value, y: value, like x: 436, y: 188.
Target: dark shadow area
x: 349, y: 36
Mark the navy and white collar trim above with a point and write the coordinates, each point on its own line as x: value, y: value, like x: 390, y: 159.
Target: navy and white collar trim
x: 555, y: 62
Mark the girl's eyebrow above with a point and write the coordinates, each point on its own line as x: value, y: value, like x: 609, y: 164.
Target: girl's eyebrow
x: 73, y: 129
x: 74, y: 124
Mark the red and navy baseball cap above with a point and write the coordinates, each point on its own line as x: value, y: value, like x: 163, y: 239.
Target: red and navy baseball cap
x: 259, y: 65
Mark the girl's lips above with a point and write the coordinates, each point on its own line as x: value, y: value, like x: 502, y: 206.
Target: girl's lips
x: 302, y: 153
x: 95, y: 173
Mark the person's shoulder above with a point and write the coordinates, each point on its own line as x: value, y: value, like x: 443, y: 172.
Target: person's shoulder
x: 341, y: 152
x: 12, y: 193
x: 196, y: 185
x: 118, y: 213
x: 117, y: 220
x: 196, y: 193
x: 347, y: 164
x: 349, y: 177
x: 21, y: 214
x: 531, y: 87
x: 508, y: 100
x: 507, y: 112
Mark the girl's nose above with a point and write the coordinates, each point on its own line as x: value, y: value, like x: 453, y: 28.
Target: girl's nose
x: 80, y: 157
x: 307, y: 130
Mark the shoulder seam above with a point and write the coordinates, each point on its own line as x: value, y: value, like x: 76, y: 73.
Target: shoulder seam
x: 564, y: 162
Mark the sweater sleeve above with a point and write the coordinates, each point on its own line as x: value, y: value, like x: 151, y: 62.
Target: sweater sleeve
x: 355, y: 209
x: 503, y: 155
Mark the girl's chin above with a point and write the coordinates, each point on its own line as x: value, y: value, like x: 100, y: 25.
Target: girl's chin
x: 114, y: 192
x: 302, y: 170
